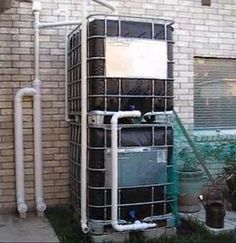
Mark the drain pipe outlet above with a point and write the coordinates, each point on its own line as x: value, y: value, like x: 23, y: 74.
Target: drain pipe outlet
x: 137, y: 225
x: 19, y: 147
x: 38, y: 161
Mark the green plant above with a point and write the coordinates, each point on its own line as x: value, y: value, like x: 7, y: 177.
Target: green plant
x: 189, y: 160
x: 66, y: 226
x: 225, y: 152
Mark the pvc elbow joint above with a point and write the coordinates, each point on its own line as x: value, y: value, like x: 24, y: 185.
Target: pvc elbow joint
x: 22, y: 208
x: 41, y: 207
x: 85, y: 228
x: 24, y: 92
x: 123, y: 114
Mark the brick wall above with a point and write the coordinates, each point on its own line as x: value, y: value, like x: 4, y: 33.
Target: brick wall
x: 199, y: 31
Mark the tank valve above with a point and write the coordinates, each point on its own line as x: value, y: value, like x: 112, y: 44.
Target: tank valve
x: 132, y: 215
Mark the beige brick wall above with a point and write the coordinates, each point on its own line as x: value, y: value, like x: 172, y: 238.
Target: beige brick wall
x: 199, y: 31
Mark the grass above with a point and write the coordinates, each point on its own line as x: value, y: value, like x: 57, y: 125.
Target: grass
x: 65, y: 226
x: 190, y: 231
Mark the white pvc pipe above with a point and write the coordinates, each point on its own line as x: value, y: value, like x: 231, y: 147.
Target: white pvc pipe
x: 102, y: 113
x: 107, y: 5
x: 41, y: 206
x: 65, y: 11
x: 58, y: 24
x: 158, y: 113
x: 137, y: 225
x: 38, y: 161
x: 66, y: 69
x: 36, y: 45
x: 19, y: 148
x: 83, y: 166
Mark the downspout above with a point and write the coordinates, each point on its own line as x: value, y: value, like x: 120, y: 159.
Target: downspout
x: 36, y: 91
x: 65, y: 11
x: 41, y: 206
x: 19, y: 149
x: 38, y: 167
x: 83, y: 168
x: 66, y: 69
x: 137, y: 225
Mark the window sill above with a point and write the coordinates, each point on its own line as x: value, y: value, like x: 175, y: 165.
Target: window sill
x: 214, y: 135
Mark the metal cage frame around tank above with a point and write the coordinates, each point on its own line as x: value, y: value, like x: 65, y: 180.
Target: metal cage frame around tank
x: 164, y: 119
x: 74, y: 96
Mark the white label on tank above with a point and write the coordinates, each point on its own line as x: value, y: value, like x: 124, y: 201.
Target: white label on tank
x: 136, y: 58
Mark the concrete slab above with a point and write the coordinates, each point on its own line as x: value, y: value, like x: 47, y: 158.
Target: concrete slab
x: 229, y: 220
x: 117, y: 237
x: 158, y: 232
x: 31, y: 229
x: 120, y: 237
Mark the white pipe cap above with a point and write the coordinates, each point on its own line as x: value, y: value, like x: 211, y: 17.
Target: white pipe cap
x: 36, y: 6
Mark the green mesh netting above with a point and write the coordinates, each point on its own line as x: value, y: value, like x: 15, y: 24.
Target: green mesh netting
x: 213, y: 154
x: 216, y: 156
x: 173, y: 188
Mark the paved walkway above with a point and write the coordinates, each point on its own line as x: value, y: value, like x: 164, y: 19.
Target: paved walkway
x: 32, y: 229
x: 229, y: 220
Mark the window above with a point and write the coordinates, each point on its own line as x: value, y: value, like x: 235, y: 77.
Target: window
x: 214, y: 93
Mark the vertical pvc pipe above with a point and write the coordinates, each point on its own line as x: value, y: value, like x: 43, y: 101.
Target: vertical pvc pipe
x: 19, y: 149
x: 66, y: 69
x: 36, y: 91
x: 83, y: 167
x: 65, y: 11
x: 137, y: 225
x: 38, y: 167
